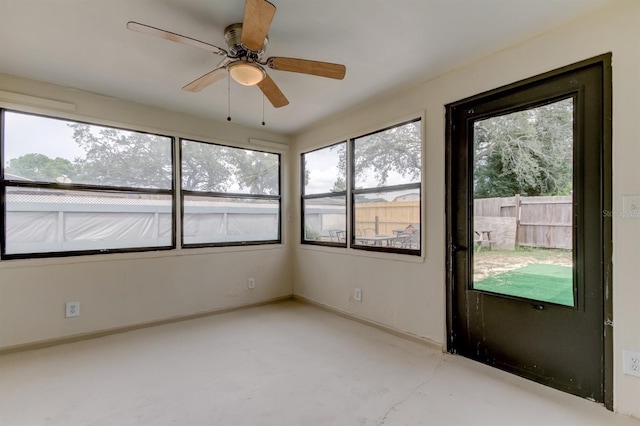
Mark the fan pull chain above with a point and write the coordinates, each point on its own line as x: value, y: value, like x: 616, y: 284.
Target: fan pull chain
x: 228, y: 96
x: 263, y: 108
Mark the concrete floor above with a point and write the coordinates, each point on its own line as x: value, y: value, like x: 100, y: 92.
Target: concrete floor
x: 282, y: 364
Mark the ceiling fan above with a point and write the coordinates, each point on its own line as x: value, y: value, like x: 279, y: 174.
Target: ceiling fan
x: 243, y: 60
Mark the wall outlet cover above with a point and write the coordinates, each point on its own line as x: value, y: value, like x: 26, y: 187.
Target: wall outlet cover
x: 631, y: 206
x: 631, y: 362
x: 357, y: 294
x: 72, y: 309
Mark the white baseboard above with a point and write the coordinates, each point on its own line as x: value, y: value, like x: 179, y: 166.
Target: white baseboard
x: 405, y: 335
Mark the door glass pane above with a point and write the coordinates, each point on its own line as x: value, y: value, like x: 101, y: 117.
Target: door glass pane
x: 522, y: 213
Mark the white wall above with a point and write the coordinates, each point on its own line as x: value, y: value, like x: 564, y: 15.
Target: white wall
x: 117, y: 290
x: 409, y: 295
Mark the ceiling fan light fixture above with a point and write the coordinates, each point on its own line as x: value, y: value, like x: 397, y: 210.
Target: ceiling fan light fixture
x: 247, y: 73
x: 244, y: 61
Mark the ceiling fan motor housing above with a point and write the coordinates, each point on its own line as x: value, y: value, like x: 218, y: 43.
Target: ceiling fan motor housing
x: 233, y: 37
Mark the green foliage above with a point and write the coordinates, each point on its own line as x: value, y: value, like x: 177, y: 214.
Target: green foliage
x: 307, y: 173
x: 206, y: 167
x: 257, y: 171
x: 340, y: 185
x: 526, y: 152
x: 120, y: 158
x: 117, y: 157
x: 39, y: 167
x: 310, y: 233
x: 397, y: 149
x: 217, y: 168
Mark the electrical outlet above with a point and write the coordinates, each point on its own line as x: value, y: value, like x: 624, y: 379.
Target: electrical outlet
x: 251, y: 283
x: 631, y: 361
x: 631, y: 206
x: 357, y: 294
x: 72, y: 309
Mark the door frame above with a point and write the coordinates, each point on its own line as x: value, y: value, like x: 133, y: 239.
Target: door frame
x: 606, y: 228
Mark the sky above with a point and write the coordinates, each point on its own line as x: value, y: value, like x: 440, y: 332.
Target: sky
x: 26, y: 134
x: 323, y: 172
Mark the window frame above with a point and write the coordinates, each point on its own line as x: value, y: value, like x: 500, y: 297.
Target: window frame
x: 304, y: 197
x: 351, y: 193
x: 78, y: 187
x: 390, y: 188
x: 216, y: 194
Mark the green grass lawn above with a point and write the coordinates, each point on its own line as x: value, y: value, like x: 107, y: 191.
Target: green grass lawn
x: 547, y: 283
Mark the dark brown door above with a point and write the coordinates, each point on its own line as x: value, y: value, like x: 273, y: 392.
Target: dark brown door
x: 527, y: 182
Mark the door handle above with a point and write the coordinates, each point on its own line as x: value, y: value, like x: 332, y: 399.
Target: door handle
x: 456, y: 248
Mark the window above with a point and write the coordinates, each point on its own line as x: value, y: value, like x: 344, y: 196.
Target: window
x: 386, y: 180
x: 324, y: 196
x: 230, y: 196
x: 383, y: 176
x: 77, y: 188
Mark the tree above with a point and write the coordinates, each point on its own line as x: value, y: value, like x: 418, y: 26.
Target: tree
x: 122, y: 158
x: 307, y: 173
x: 397, y: 149
x: 257, y: 171
x: 118, y: 157
x: 206, y: 167
x: 526, y: 152
x: 218, y: 168
x: 340, y: 185
x: 40, y: 167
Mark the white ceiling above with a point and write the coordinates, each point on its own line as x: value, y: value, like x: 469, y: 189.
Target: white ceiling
x: 385, y: 44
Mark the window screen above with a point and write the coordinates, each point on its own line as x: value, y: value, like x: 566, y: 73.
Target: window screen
x: 78, y: 188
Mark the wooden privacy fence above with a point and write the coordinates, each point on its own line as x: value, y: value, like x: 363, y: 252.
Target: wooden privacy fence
x: 514, y: 221
x: 544, y: 221
x: 382, y: 218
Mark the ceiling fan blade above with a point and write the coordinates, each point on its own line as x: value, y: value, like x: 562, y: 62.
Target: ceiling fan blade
x: 209, y: 78
x: 258, y: 15
x: 168, y: 35
x: 273, y: 93
x: 304, y: 66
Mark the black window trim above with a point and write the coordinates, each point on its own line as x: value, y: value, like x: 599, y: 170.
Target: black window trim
x: 304, y: 197
x: 236, y: 195
x: 352, y: 192
x: 390, y: 188
x: 4, y: 184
